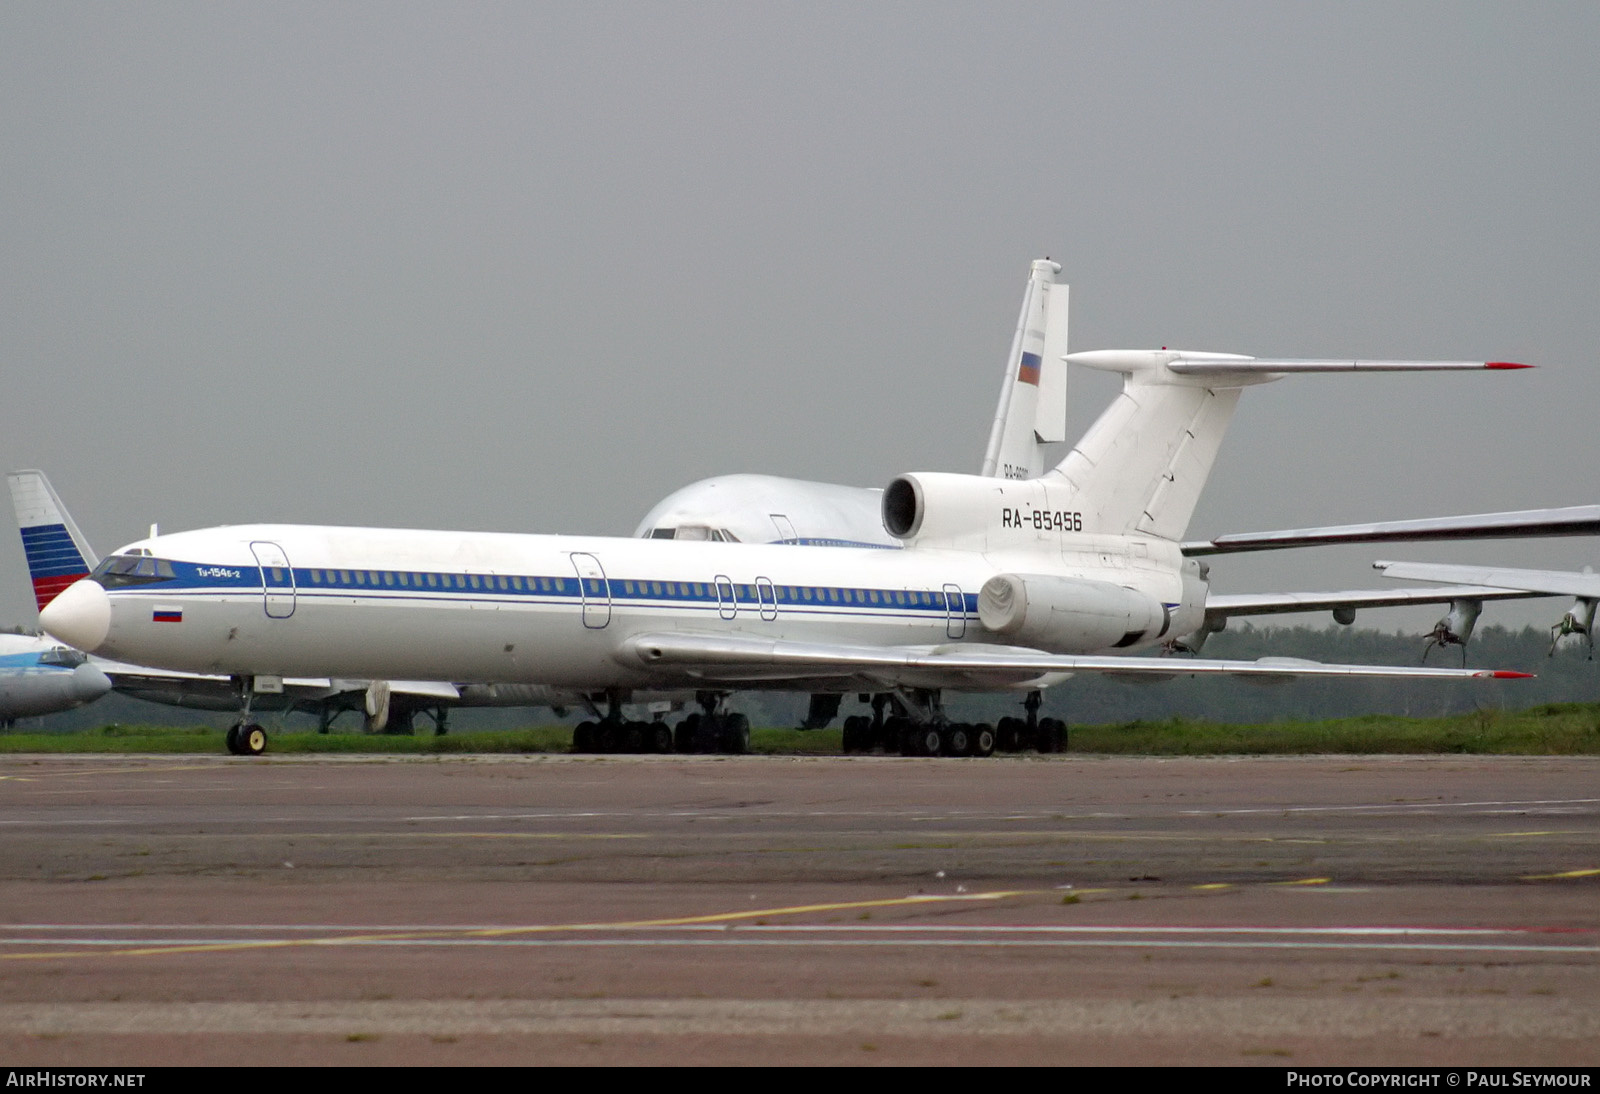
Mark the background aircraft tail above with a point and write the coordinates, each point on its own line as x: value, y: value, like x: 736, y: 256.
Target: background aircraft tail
x: 1032, y: 411
x: 57, y: 553
x: 1141, y: 466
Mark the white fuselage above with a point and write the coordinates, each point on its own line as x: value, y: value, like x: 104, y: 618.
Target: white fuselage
x: 292, y: 600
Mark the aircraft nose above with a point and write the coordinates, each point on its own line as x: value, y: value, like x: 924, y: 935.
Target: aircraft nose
x: 80, y: 616
x: 89, y: 683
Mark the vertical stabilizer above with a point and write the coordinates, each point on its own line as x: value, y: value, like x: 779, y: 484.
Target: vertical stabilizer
x: 57, y: 553
x: 1033, y: 396
x: 1141, y: 466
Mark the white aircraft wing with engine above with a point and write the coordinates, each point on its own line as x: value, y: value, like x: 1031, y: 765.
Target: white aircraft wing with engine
x: 1583, y: 587
x: 1466, y: 602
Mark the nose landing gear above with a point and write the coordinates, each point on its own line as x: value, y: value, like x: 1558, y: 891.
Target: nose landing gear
x: 246, y: 738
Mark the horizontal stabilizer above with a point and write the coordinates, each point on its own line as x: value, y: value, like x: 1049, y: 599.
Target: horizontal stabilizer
x: 1288, y: 364
x: 1575, y: 520
x: 1539, y: 582
x: 732, y: 658
x: 1190, y: 363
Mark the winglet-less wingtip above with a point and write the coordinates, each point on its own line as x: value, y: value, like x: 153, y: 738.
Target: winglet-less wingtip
x: 1504, y: 364
x: 1505, y: 674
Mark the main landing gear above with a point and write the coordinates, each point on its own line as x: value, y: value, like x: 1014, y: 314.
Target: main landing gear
x: 713, y: 729
x: 914, y: 724
x: 614, y: 733
x: 918, y: 727
x: 245, y: 737
x: 1040, y: 734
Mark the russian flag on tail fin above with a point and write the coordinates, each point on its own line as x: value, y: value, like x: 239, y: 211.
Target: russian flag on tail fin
x: 57, y: 553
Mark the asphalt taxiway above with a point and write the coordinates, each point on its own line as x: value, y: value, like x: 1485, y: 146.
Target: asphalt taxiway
x: 858, y: 910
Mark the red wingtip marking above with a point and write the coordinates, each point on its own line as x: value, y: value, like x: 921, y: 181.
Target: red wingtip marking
x: 1505, y: 674
x: 1505, y: 364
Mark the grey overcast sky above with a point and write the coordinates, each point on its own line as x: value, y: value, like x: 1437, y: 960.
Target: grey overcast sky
x: 530, y: 267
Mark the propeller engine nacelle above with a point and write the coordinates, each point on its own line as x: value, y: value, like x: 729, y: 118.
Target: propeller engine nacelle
x: 1069, y: 615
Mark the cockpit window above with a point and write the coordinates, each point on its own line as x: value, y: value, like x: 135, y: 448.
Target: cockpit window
x: 698, y: 532
x: 132, y: 569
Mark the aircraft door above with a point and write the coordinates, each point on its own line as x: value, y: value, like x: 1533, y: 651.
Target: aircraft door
x: 955, y: 612
x: 595, y: 589
x: 727, y: 600
x: 277, y: 579
x: 786, y: 532
x: 767, y: 598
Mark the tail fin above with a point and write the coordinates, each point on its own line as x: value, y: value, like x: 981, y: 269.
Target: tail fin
x: 1033, y: 395
x: 1141, y: 466
x: 57, y: 553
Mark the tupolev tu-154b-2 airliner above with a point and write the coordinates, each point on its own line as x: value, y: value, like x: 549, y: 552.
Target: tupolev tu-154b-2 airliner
x: 1003, y: 584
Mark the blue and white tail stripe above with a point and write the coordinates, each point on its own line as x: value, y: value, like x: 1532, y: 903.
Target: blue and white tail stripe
x: 54, y: 561
x: 57, y: 553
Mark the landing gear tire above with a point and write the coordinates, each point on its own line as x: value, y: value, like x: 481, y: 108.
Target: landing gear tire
x: 251, y: 740
x: 1052, y: 735
x: 661, y: 737
x: 683, y: 737
x: 233, y: 738
x: 926, y: 741
x: 897, y: 735
x: 583, y: 737
x: 1008, y: 735
x: 735, y: 736
x: 605, y: 737
x: 983, y: 740
x: 857, y: 733
x: 955, y: 739
x: 632, y: 737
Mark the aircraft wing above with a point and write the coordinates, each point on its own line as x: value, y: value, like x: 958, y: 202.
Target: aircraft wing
x: 1531, y: 582
x: 1575, y: 520
x: 1223, y: 606
x: 739, y: 659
